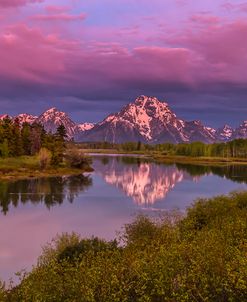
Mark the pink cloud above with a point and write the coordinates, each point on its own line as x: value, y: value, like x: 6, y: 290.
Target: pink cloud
x: 15, y: 3
x: 59, y: 17
x: 220, y: 52
x: 19, y: 44
x: 70, y: 64
x: 230, y: 6
x: 181, y: 2
x: 220, y: 44
x: 52, y: 9
x: 204, y: 19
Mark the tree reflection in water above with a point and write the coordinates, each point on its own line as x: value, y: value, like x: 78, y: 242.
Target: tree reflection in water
x: 236, y: 173
x: 50, y: 191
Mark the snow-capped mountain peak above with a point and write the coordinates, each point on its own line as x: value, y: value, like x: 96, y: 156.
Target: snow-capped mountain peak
x: 241, y: 131
x: 225, y: 133
x: 26, y: 118
x: 52, y: 118
x: 147, y: 120
x: 4, y: 116
x: 144, y: 101
x: 144, y: 115
x: 153, y: 106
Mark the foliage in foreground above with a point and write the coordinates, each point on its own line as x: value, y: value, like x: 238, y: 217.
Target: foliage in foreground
x: 200, y: 257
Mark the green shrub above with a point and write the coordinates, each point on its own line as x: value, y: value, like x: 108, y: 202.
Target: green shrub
x: 78, y: 160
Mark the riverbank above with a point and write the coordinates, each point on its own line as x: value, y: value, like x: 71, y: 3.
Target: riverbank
x: 25, y: 167
x: 198, y: 160
x: 111, y: 151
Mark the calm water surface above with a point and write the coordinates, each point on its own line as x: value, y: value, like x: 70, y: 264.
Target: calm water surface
x: 99, y: 204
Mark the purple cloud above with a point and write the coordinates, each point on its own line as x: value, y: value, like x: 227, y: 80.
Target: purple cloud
x: 59, y: 17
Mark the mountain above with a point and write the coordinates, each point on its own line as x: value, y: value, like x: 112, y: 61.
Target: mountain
x: 241, y: 131
x: 150, y: 121
x: 53, y: 118
x: 195, y: 131
x: 4, y: 116
x: 224, y: 134
x: 26, y: 118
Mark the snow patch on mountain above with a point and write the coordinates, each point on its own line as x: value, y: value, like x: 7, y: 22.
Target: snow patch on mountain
x: 26, y: 118
x: 85, y: 126
x: 4, y: 116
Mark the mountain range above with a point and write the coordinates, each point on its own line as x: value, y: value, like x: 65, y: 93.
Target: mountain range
x: 147, y: 120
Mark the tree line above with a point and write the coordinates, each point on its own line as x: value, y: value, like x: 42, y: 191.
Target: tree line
x: 236, y: 148
x: 29, y: 139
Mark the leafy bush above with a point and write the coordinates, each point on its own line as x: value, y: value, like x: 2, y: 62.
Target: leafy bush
x: 78, y: 160
x: 77, y: 251
x: 44, y: 157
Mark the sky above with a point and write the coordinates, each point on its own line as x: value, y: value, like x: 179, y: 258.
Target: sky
x: 91, y: 57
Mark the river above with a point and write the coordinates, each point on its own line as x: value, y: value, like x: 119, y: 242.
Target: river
x: 99, y: 204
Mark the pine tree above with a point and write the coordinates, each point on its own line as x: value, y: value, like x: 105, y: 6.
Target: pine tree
x: 26, y: 138
x: 35, y: 137
x: 61, y: 132
x: 17, y: 147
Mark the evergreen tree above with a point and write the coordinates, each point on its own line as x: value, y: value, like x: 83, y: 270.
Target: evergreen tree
x: 17, y: 146
x: 26, y: 138
x: 35, y: 137
x: 61, y: 132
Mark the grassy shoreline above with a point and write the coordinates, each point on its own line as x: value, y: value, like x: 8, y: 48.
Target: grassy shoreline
x: 112, y: 151
x: 26, y: 167
x: 199, y: 160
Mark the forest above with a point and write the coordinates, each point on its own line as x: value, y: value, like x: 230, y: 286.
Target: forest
x: 18, y: 140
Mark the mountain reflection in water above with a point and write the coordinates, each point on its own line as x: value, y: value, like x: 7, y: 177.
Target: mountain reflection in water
x: 50, y: 191
x: 146, y: 182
